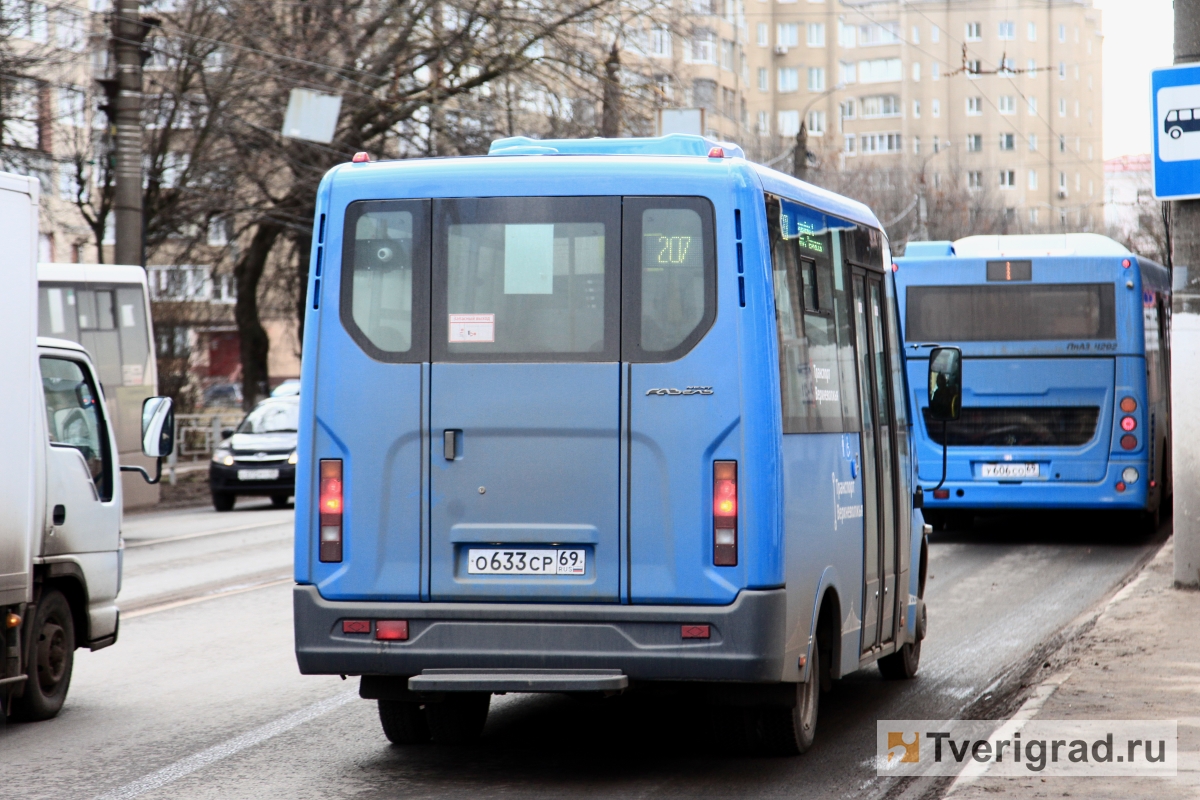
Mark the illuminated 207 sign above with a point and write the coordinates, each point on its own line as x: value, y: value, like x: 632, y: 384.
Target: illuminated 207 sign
x: 673, y: 249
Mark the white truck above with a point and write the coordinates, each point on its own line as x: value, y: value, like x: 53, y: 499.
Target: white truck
x: 60, y: 485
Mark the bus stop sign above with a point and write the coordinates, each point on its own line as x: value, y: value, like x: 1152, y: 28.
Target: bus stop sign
x: 1175, y: 109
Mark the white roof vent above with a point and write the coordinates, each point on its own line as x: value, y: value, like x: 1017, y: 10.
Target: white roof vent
x: 1041, y: 244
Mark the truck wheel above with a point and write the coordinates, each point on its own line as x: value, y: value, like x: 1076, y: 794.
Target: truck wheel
x: 790, y: 731
x: 54, y: 655
x: 403, y: 723
x: 223, y: 501
x: 902, y: 664
x: 459, y: 719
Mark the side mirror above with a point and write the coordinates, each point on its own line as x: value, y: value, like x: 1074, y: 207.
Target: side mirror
x: 227, y: 432
x: 945, y: 383
x: 158, y: 427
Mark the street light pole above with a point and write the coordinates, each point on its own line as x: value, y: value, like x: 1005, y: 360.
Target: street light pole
x: 800, y: 151
x: 922, y: 232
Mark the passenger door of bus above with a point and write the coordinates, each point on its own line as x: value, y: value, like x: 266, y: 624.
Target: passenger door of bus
x: 880, y: 528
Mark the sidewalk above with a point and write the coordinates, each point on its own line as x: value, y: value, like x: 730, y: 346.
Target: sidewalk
x: 1141, y: 660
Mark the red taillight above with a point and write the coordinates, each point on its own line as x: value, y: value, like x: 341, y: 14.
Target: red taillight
x: 1120, y: 486
x: 1128, y: 405
x: 1126, y: 263
x: 392, y: 630
x: 725, y: 503
x: 330, y: 509
x: 1128, y: 423
x: 1128, y: 442
x: 941, y: 494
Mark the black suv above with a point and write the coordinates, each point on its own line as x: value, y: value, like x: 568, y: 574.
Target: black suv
x: 259, y: 457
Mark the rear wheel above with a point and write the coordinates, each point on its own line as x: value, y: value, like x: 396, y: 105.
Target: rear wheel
x: 280, y: 500
x: 223, y: 501
x: 902, y: 664
x: 790, y: 731
x: 54, y: 656
x: 458, y: 719
x: 403, y: 723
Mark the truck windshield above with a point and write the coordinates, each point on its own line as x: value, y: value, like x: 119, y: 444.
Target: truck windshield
x: 1033, y: 312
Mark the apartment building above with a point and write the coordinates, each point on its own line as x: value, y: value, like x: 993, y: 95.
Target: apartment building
x: 1003, y: 96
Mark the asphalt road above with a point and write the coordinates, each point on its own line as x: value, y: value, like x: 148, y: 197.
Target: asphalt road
x: 201, y: 698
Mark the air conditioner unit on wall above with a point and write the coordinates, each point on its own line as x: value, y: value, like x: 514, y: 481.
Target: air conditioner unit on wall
x: 781, y: 50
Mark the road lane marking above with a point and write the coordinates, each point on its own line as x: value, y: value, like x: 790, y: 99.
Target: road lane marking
x: 141, y: 612
x: 200, y: 534
x: 186, y: 766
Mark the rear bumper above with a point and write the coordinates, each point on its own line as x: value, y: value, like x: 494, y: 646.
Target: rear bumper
x: 643, y: 642
x: 1035, y: 494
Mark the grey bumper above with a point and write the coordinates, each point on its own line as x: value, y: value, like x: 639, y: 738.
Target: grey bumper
x: 746, y: 639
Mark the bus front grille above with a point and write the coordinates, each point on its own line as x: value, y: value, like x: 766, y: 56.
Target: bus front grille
x: 1030, y: 426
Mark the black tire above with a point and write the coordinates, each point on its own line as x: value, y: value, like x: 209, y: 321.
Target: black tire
x: 902, y: 664
x: 53, y: 658
x: 403, y: 723
x: 280, y: 500
x: 223, y: 501
x: 791, y: 731
x: 458, y: 719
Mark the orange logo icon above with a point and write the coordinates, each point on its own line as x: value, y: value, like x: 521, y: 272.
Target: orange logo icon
x: 912, y: 750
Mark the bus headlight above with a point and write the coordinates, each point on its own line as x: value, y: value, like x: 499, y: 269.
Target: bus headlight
x: 1129, y: 475
x: 224, y: 457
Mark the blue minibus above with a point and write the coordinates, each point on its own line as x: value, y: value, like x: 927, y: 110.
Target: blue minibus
x: 593, y: 415
x: 1065, y: 370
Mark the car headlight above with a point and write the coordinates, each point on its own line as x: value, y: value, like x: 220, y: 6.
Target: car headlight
x: 223, y: 457
x: 293, y: 458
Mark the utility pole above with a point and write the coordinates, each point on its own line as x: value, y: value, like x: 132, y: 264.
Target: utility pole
x: 128, y: 32
x: 800, y: 153
x: 1185, y: 343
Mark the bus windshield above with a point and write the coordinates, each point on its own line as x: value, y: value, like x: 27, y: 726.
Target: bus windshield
x: 1032, y: 312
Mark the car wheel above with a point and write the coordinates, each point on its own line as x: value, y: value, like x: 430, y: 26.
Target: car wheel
x: 54, y: 656
x: 223, y: 501
x: 280, y: 500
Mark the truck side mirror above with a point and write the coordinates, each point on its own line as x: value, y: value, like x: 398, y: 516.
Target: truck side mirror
x: 945, y: 384
x: 158, y: 427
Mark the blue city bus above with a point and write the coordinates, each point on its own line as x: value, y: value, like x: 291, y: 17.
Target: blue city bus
x: 591, y: 415
x: 1066, y: 371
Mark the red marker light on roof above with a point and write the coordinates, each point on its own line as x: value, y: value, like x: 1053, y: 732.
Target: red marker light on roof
x: 361, y: 158
x: 895, y: 267
x: 716, y: 152
x: 1126, y: 263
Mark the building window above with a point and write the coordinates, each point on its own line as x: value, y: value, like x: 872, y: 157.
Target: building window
x: 1062, y: 182
x: 974, y: 106
x: 974, y: 66
x: 974, y: 180
x: 916, y: 109
x: 704, y: 48
x: 1062, y: 33
x: 916, y: 145
x: 916, y: 35
x: 1033, y: 142
x: 1031, y: 105
x: 884, y: 105
x: 764, y: 121
x: 1008, y: 30
x: 1007, y: 178
x: 880, y: 70
x: 787, y: 34
x: 849, y: 72
x: 789, y: 79
x: 1008, y: 141
x: 763, y: 34
x: 880, y: 143
x: 974, y: 142
x: 1007, y: 104
x: 935, y: 34
x: 728, y: 51
x: 1031, y: 32
x: 789, y: 123
x: 1062, y: 70
x: 847, y: 34
x: 1033, y: 216
x: 816, y: 79
x: 1033, y: 179
x: 1007, y: 66
x: 1031, y: 68
x: 816, y: 123
x: 935, y: 107
x: 1062, y: 106
x: 660, y: 42
x: 878, y: 33
x: 974, y: 32
x: 816, y: 34
x: 763, y: 81
x: 848, y: 144
x: 1062, y: 144
x: 936, y: 69
x: 916, y: 72
x: 848, y: 109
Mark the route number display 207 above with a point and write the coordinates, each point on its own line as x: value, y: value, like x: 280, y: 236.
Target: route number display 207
x: 526, y: 562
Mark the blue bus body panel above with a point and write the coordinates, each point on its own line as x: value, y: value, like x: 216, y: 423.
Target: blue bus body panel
x: 1040, y: 373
